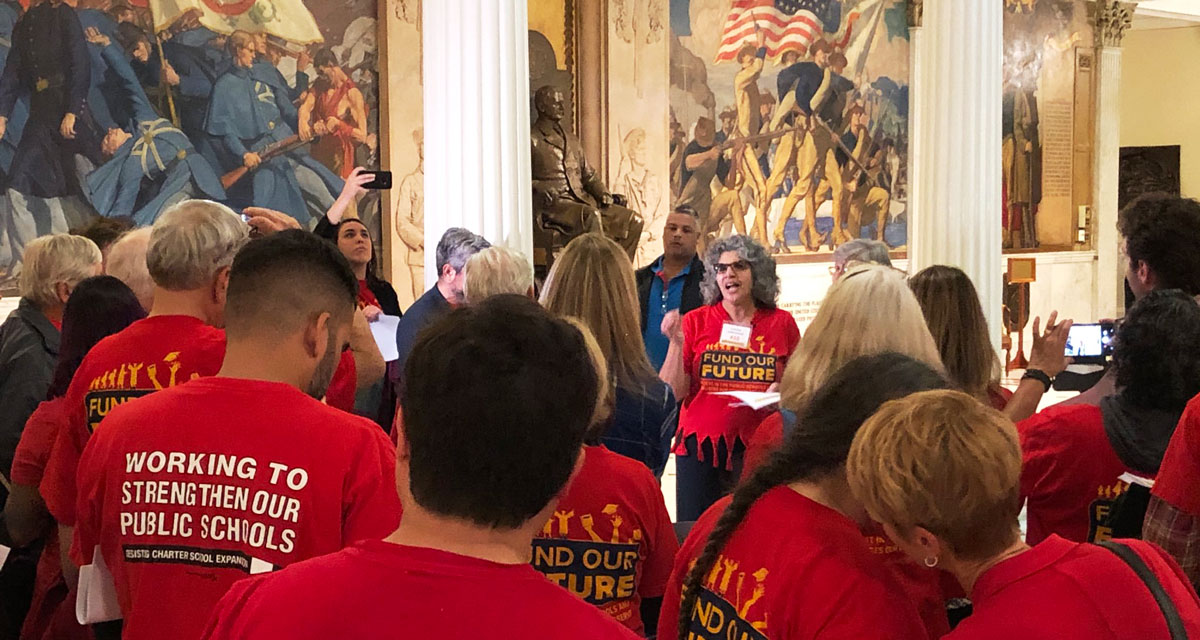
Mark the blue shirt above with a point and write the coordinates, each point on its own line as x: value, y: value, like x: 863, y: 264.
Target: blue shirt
x: 663, y: 299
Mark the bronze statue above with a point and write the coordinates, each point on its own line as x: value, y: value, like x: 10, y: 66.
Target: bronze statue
x: 568, y: 195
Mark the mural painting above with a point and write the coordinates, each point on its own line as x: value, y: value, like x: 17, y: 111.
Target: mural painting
x: 120, y: 110
x: 1046, y: 118
x: 789, y: 119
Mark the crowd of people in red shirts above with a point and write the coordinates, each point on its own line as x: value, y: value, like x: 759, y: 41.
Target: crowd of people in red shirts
x: 201, y: 438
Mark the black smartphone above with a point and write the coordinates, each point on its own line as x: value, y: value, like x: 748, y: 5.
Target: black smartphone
x: 1091, y: 343
x: 381, y: 180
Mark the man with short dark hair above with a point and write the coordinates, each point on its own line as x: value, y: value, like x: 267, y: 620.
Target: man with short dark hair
x: 186, y: 491
x: 493, y: 430
x: 453, y: 250
x: 672, y: 281
x: 1160, y: 235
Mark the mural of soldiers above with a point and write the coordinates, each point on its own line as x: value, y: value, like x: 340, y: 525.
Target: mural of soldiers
x: 749, y: 120
x: 864, y: 192
x: 48, y: 63
x: 9, y: 253
x: 334, y: 106
x: 702, y: 161
x: 151, y: 165
x: 816, y: 91
x: 728, y: 118
x: 248, y: 115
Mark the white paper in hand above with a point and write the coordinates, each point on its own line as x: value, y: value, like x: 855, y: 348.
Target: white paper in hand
x: 97, y: 598
x: 754, y: 399
x: 4, y: 551
x: 384, y: 332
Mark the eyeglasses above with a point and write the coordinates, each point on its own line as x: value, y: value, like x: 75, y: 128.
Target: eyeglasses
x: 740, y: 265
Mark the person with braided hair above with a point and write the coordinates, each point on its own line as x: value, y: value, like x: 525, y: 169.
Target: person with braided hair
x: 783, y: 557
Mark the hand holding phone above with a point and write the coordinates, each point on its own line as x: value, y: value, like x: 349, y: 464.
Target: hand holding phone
x: 1090, y: 343
x: 379, y: 180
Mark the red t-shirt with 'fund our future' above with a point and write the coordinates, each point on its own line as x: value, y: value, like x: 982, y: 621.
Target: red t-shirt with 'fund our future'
x: 610, y: 540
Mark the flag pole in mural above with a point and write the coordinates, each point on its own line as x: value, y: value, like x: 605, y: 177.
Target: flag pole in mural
x: 812, y: 98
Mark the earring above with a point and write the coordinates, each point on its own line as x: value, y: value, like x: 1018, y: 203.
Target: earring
x: 931, y: 561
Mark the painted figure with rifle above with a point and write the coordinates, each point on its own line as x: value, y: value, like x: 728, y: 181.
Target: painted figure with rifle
x: 151, y: 164
x: 252, y: 120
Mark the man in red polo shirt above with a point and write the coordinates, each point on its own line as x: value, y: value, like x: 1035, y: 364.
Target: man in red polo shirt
x: 492, y: 432
x: 184, y: 492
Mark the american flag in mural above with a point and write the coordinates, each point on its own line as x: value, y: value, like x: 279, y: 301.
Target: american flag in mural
x: 788, y: 24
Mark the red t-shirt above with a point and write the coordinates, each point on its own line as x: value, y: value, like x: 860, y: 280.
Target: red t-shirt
x: 366, y: 297
x: 51, y: 612
x: 716, y: 367
x: 998, y: 397
x: 1069, y: 474
x: 793, y: 570
x: 151, y: 354
x: 376, y: 590
x: 610, y: 540
x: 1062, y: 590
x: 928, y: 589
x: 766, y: 439
x: 1178, y: 480
x: 344, y: 385
x: 194, y: 488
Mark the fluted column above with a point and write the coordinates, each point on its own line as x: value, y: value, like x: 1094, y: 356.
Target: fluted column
x: 956, y: 123
x: 476, y: 72
x: 1112, y: 20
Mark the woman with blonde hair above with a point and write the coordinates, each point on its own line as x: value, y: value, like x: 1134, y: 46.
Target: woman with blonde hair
x: 869, y: 310
x: 592, y: 280
x: 955, y: 318
x: 941, y: 472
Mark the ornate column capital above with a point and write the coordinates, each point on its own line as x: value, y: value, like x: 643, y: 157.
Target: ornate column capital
x: 1113, y: 18
x: 916, y: 16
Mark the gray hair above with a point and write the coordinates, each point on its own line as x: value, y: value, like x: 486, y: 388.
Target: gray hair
x: 765, y: 283
x: 862, y: 250
x: 191, y: 242
x: 127, y: 263
x: 495, y: 271
x: 55, y: 259
x: 457, y: 246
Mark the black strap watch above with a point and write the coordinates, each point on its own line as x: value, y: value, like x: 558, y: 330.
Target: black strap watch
x: 1040, y: 376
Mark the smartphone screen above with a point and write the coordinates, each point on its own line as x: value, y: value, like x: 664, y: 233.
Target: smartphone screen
x: 1090, y: 341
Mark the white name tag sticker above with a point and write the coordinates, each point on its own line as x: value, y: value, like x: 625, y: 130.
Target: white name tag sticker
x: 735, y: 335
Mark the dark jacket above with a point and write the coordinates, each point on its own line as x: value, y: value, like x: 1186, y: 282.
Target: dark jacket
x: 28, y: 353
x: 691, y: 298
x: 642, y: 424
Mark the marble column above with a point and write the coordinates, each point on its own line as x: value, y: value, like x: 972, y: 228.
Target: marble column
x: 955, y: 169
x: 476, y: 75
x: 1113, y: 18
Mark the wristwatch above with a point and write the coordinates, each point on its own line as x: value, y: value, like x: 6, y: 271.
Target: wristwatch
x: 1040, y: 376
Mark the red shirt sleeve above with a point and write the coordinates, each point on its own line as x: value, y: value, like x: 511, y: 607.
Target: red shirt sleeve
x: 58, y: 483
x: 691, y: 327
x: 33, y: 451
x: 372, y: 508
x: 1178, y: 478
x: 89, y: 479
x: 660, y: 536
x: 230, y: 617
x: 1036, y: 462
x: 343, y: 386
x: 768, y: 437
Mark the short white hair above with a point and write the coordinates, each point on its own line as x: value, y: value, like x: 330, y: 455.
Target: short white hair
x: 497, y: 270
x: 53, y: 260
x: 127, y: 263
x: 191, y: 242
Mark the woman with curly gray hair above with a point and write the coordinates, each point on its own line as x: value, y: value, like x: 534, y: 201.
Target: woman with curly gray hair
x: 738, y: 341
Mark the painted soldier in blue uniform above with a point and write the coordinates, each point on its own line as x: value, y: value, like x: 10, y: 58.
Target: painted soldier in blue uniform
x: 248, y: 115
x: 151, y: 166
x: 49, y: 62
